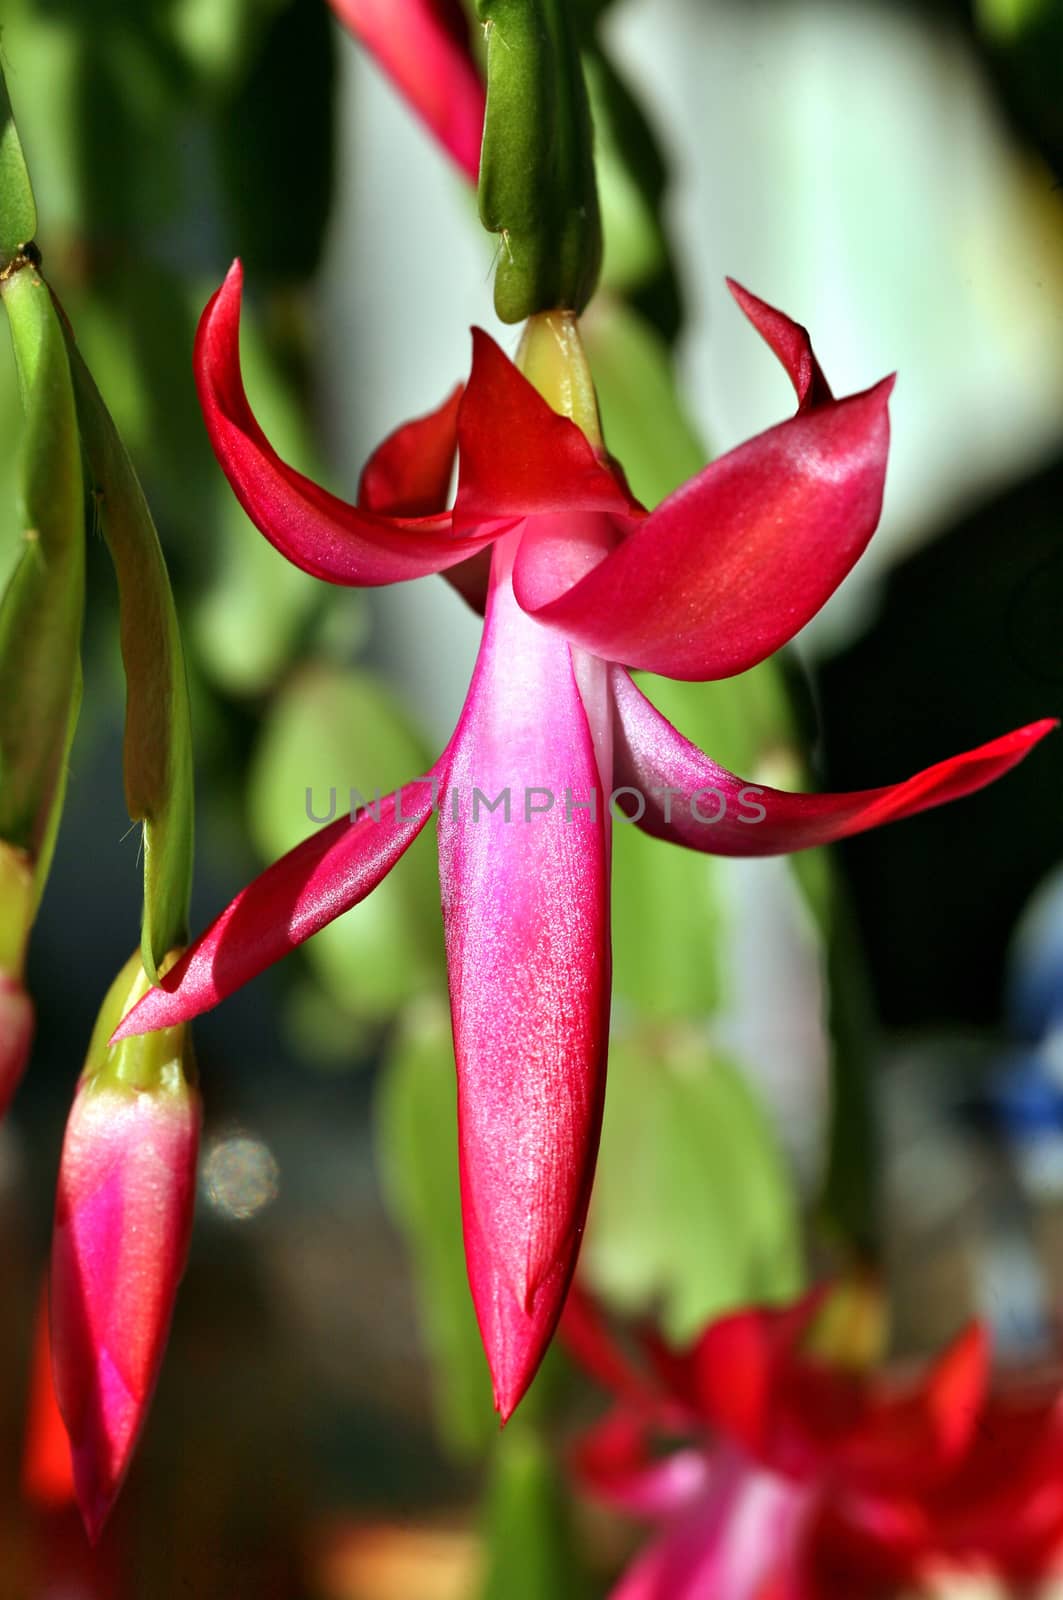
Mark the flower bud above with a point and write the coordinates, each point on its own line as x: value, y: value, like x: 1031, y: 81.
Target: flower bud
x: 122, y: 1225
x: 16, y: 1036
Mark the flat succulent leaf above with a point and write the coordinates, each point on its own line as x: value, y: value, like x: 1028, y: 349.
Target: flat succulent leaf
x: 157, y: 752
x: 333, y: 737
x: 417, y: 1149
x: 693, y: 1210
x: 529, y: 1544
x: 18, y: 212
x: 42, y: 606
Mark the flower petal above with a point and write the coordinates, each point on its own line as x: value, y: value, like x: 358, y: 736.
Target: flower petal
x: 617, y: 1462
x: 691, y: 801
x: 518, y: 456
x: 735, y: 562
x: 589, y: 1341
x: 791, y: 343
x: 47, y: 1472
x: 902, y: 1438
x: 314, y: 529
x: 426, y: 53
x: 730, y: 1375
x: 321, y: 878
x: 16, y: 1037
x: 408, y: 475
x: 525, y: 909
x: 744, y: 1535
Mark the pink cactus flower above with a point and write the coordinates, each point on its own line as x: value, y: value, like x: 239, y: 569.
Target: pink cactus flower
x: 579, y: 583
x: 773, y: 1472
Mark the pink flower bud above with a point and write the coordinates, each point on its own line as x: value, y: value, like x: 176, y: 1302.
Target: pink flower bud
x: 122, y: 1226
x: 16, y: 1036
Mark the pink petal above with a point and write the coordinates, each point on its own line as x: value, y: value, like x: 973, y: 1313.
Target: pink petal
x: 735, y: 562
x: 423, y: 46
x: 614, y: 1460
x: 525, y: 907
x: 712, y: 810
x: 408, y: 475
x: 122, y: 1225
x: 739, y: 1539
x: 518, y: 457
x: 16, y: 1037
x: 790, y: 342
x: 321, y: 878
x: 312, y: 528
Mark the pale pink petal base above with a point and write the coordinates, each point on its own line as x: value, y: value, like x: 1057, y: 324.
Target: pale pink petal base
x: 122, y: 1226
x: 731, y: 1544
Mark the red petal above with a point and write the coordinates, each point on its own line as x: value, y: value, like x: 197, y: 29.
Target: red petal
x: 409, y: 474
x: 425, y: 51
x: 790, y: 342
x: 47, y: 1473
x: 710, y: 809
x: 617, y: 1462
x: 525, y: 907
x: 16, y: 1037
x: 314, y: 529
x: 518, y: 456
x: 730, y: 1375
x: 899, y: 1440
x: 587, y: 1338
x: 735, y: 562
x: 322, y: 877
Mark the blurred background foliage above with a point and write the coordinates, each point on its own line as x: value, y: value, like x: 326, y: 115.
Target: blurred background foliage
x: 813, y: 1060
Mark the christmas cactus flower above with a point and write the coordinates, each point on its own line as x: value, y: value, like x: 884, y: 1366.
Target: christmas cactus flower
x: 578, y: 583
x: 123, y: 1219
x: 796, y: 1474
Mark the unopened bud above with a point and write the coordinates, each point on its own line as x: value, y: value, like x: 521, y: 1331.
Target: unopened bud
x: 122, y: 1226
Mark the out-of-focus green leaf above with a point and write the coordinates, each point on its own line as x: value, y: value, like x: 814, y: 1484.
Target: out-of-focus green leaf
x: 215, y: 36
x: 668, y: 923
x: 276, y: 142
x: 42, y: 606
x: 670, y: 913
x: 157, y: 756
x: 850, y: 1192
x: 330, y: 731
x: 18, y: 212
x: 693, y: 1211
x: 417, y: 1149
x: 128, y: 154
x: 643, y: 420
x: 531, y: 1552
x: 1008, y: 18
x: 632, y: 179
